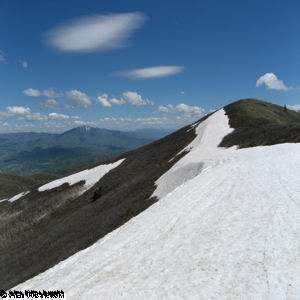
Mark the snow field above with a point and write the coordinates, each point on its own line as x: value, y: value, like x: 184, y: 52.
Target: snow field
x: 232, y: 231
x: 91, y: 176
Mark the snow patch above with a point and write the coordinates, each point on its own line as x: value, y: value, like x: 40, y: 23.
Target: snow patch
x: 209, y: 133
x: 17, y: 197
x: 90, y: 176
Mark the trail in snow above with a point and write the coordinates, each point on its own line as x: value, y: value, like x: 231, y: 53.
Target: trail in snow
x: 231, y: 232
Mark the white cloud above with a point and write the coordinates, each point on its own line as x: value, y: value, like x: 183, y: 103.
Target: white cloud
x: 166, y: 109
x: 22, y: 113
x: 116, y: 101
x: 271, y: 82
x: 50, y: 103
x: 79, y: 98
x: 104, y: 100
x: 152, y: 72
x: 132, y: 123
x: 35, y: 117
x: 186, y: 110
x: 183, y: 108
x: 132, y: 98
x: 295, y: 107
x: 32, y: 92
x: 51, y: 93
x: 18, y: 110
x: 136, y: 99
x: 95, y: 33
x: 56, y: 116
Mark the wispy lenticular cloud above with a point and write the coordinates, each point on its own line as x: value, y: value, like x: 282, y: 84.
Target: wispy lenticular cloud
x: 96, y: 32
x: 271, y: 82
x: 152, y: 72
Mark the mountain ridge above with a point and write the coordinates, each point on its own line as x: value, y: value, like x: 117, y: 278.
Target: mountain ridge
x: 30, y: 153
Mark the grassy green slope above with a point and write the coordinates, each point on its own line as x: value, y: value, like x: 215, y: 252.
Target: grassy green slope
x: 258, y: 122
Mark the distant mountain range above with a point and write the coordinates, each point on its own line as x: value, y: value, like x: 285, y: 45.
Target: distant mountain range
x: 30, y: 153
x: 222, y: 214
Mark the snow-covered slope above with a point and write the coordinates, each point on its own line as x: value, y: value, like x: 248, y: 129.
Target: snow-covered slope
x: 230, y: 230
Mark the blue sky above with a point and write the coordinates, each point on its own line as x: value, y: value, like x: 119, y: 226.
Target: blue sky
x: 139, y: 64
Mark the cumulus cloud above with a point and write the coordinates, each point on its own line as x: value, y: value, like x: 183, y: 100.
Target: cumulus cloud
x: 56, y: 116
x: 132, y: 123
x: 35, y: 117
x: 186, y: 110
x: 32, y: 92
x: 116, y: 101
x: 18, y: 110
x: 132, y: 98
x: 22, y: 113
x: 49, y: 104
x: 271, y: 82
x: 136, y: 99
x: 152, y: 72
x: 104, y: 100
x: 95, y: 33
x: 50, y: 93
x: 295, y: 107
x: 78, y: 98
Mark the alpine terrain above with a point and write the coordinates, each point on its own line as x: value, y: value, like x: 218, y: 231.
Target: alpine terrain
x: 211, y: 211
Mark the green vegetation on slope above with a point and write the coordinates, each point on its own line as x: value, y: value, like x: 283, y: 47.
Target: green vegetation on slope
x: 261, y: 123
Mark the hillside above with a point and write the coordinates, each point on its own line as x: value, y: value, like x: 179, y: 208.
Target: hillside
x: 223, y: 222
x: 261, y: 123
